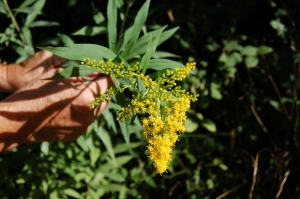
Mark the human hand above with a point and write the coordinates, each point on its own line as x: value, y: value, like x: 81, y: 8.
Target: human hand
x: 15, y: 76
x: 52, y: 110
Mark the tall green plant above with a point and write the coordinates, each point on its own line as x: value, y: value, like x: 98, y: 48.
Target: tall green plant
x: 161, y: 104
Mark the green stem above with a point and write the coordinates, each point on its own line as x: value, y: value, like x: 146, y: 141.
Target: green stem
x: 125, y: 18
x: 14, y: 22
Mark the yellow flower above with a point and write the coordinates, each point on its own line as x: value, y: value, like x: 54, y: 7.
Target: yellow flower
x: 164, y: 104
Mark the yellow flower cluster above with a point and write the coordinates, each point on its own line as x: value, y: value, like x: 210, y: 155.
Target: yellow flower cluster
x: 163, y: 103
x: 111, y: 68
x: 166, y: 105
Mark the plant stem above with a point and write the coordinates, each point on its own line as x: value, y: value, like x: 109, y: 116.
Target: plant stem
x: 14, y: 22
x: 125, y: 18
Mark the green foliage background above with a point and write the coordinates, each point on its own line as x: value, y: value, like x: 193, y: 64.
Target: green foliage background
x: 242, y: 138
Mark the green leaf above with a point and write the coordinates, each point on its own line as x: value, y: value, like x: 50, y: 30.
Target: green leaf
x: 81, y: 142
x: 163, y: 54
x: 27, y: 3
x: 139, y: 22
x: 72, y: 193
x: 65, y: 39
x: 123, y: 147
x: 209, y: 125
x: 43, y: 24
x: 223, y: 167
x: 45, y: 148
x: 117, y: 177
x: 121, y: 160
x: 249, y: 51
x: 140, y: 46
x: 74, y: 71
x: 160, y: 64
x: 98, y: 18
x: 149, y: 181
x: 105, y: 138
x: 125, y: 129
x: 80, y: 51
x: 94, y: 155
x: 90, y: 31
x: 27, y: 34
x: 215, y: 93
x: 150, y: 50
x: 125, y: 38
x: 251, y: 62
x: 112, y: 23
x: 264, y: 50
x: 2, y: 8
x: 109, y: 118
x: 233, y: 59
x: 190, y: 125
x: 278, y: 26
x: 37, y: 7
x: 113, y: 187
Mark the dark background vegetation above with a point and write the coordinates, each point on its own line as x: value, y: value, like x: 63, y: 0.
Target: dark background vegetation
x: 243, y: 132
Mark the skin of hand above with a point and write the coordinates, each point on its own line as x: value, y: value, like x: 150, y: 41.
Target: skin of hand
x: 15, y: 76
x: 50, y: 110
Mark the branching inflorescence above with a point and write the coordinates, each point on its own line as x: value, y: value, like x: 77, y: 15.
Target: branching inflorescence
x: 161, y: 100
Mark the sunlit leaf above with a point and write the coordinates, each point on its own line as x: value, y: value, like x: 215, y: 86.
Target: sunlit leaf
x: 90, y: 31
x: 190, y: 125
x: 160, y: 64
x: 45, y: 148
x: 98, y: 18
x: 139, y: 22
x: 215, y: 93
x: 38, y: 6
x: 209, y: 125
x: 264, y: 50
x: 249, y: 51
x: 80, y: 51
x: 140, y: 46
x: 109, y: 118
x: 43, y: 24
x: 105, y: 138
x: 94, y: 155
x: 150, y: 50
x: 65, y: 39
x: 117, y: 177
x: 81, y: 142
x: 163, y: 54
x: 125, y: 129
x: 2, y: 8
x: 121, y: 160
x: 251, y: 61
x: 112, y: 23
x: 73, y: 193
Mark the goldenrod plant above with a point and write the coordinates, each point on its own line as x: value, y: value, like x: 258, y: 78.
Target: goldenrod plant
x: 155, y: 98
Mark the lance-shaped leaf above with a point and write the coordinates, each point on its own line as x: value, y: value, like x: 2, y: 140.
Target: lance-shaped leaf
x: 112, y: 23
x: 65, y: 39
x: 105, y: 138
x: 160, y: 64
x: 139, y: 22
x: 150, y: 50
x: 140, y: 46
x: 80, y: 51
